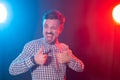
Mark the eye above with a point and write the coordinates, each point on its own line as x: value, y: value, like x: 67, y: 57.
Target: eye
x: 45, y: 26
x: 54, y: 27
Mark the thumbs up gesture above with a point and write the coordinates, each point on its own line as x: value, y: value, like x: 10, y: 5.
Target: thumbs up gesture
x: 64, y: 56
x: 39, y: 57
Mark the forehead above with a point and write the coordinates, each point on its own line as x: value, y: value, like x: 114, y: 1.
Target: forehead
x: 51, y: 22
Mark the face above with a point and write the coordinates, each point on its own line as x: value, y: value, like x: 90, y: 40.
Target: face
x: 51, y: 30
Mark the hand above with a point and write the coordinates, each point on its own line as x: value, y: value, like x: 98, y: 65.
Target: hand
x: 40, y: 58
x: 64, y: 57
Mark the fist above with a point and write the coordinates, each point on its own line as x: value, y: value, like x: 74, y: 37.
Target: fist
x: 64, y: 56
x: 40, y: 58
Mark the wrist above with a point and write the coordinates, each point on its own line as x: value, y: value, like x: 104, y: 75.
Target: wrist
x: 33, y: 60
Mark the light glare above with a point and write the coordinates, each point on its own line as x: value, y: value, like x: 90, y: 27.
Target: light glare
x: 3, y: 13
x: 116, y: 13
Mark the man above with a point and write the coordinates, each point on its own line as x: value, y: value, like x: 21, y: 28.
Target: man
x: 47, y: 57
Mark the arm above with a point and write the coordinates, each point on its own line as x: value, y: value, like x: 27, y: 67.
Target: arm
x: 66, y: 56
x: 75, y: 64
x: 23, y: 62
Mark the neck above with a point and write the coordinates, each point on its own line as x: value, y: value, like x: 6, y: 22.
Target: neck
x: 55, y: 42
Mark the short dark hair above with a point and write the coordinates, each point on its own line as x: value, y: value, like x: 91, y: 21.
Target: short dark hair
x: 54, y: 14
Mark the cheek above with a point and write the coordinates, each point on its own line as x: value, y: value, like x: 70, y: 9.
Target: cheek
x: 44, y: 31
x: 57, y: 33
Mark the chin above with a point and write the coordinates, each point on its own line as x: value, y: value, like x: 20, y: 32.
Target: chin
x: 49, y: 41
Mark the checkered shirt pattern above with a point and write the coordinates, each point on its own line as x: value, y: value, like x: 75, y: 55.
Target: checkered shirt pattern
x: 51, y: 70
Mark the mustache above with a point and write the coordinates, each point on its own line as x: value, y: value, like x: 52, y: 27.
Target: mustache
x: 49, y: 33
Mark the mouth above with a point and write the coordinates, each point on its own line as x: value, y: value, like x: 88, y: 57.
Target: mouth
x: 49, y: 35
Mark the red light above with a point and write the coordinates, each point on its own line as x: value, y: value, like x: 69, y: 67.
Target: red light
x: 116, y: 13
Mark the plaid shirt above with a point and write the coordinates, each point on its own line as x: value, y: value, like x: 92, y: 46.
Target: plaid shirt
x: 51, y: 70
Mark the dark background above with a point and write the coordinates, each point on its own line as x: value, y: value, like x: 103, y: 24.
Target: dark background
x: 89, y: 31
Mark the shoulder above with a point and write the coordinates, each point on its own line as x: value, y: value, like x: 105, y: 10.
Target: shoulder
x: 63, y: 45
x: 34, y: 42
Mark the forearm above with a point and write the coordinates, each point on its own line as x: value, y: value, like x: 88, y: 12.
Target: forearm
x: 76, y: 64
x: 20, y: 66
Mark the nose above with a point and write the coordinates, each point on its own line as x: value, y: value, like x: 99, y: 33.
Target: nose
x: 49, y: 30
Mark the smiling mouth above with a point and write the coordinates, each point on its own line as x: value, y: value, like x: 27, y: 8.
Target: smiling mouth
x: 49, y: 35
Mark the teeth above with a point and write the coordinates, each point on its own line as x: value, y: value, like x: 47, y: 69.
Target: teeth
x: 49, y: 35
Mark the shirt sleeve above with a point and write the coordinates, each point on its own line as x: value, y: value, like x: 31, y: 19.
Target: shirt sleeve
x: 23, y: 62
x: 76, y: 64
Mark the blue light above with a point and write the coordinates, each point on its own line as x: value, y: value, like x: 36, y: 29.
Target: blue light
x: 3, y: 13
